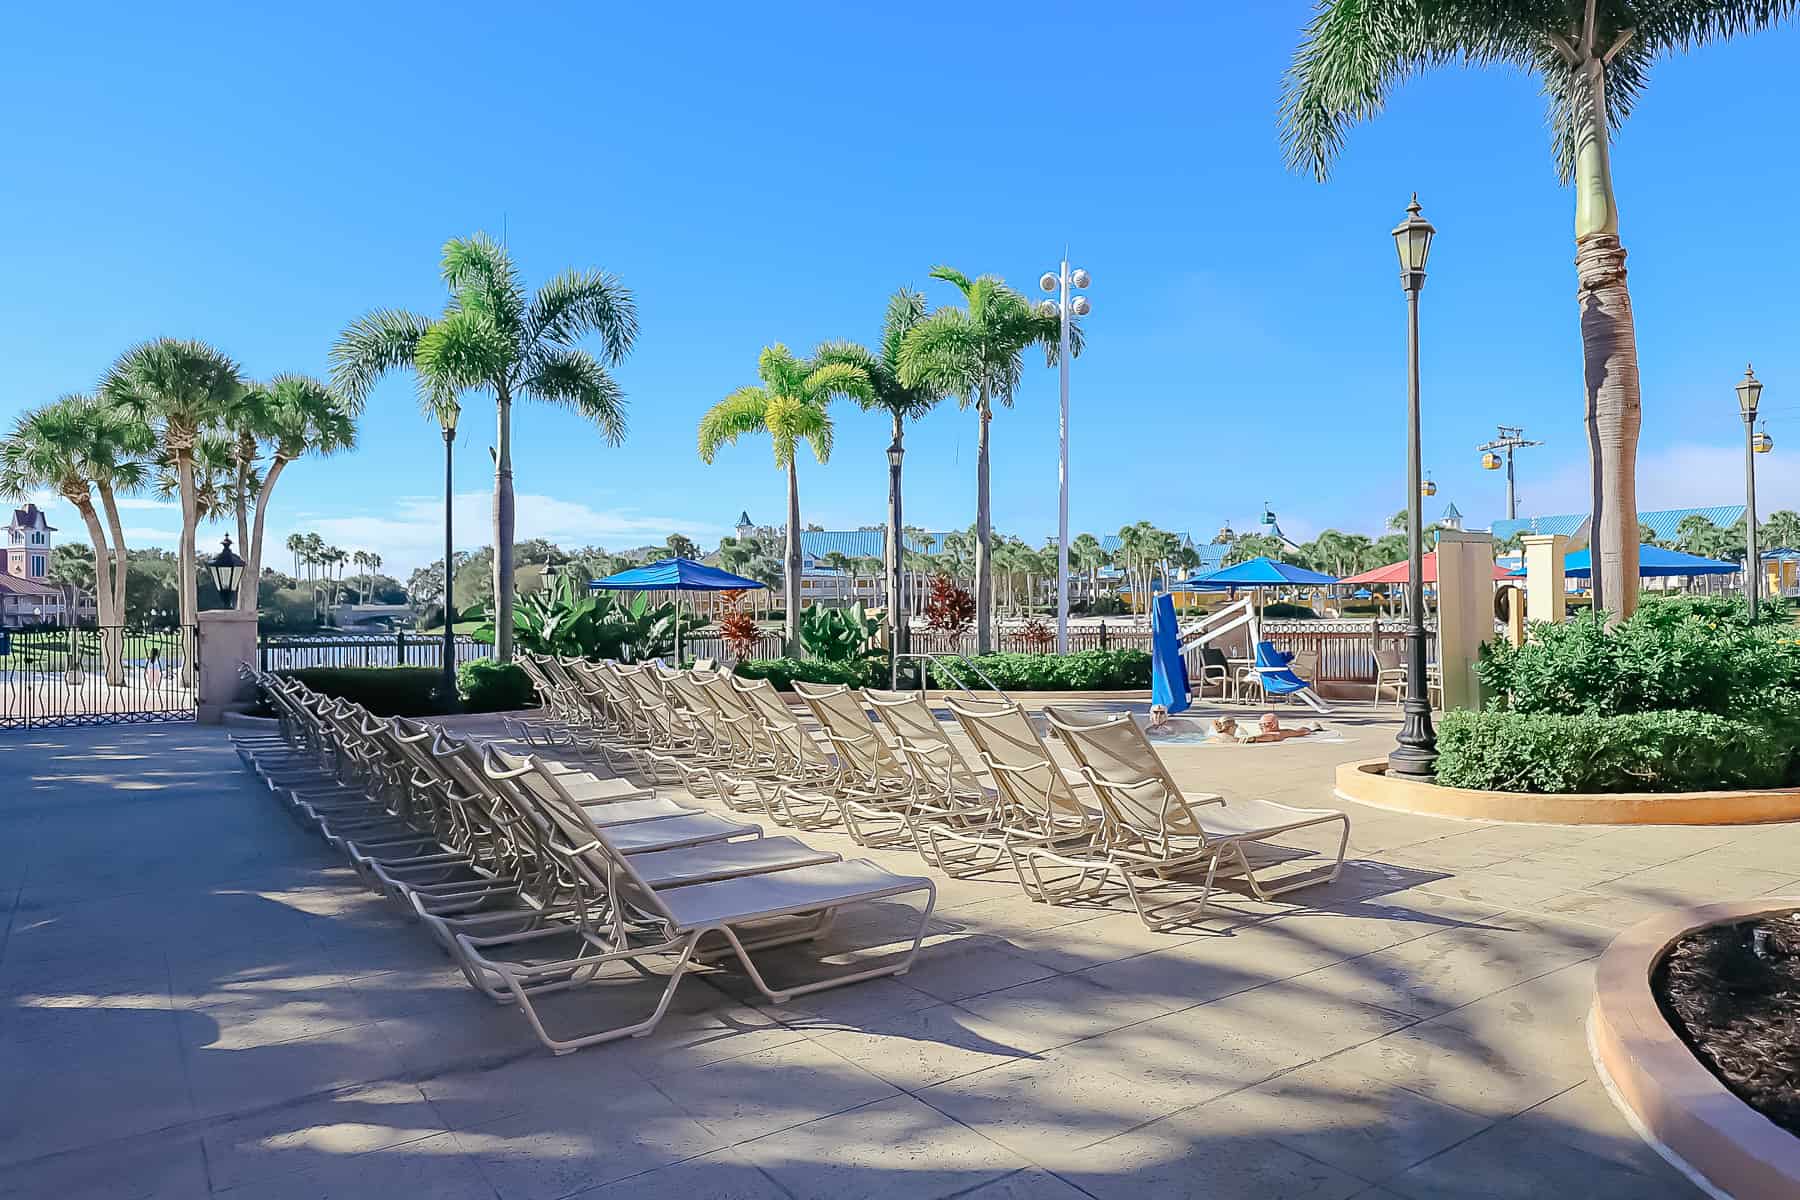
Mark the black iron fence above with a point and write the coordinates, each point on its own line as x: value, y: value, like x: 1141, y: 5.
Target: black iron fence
x: 96, y: 675
x: 282, y: 652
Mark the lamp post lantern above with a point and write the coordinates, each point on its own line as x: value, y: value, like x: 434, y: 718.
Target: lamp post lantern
x: 1416, y: 754
x: 1749, y: 391
x: 1060, y: 282
x: 226, y: 569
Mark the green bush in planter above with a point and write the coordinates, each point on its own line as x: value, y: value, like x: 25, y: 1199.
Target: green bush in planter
x: 1670, y: 751
x: 488, y: 685
x: 384, y: 691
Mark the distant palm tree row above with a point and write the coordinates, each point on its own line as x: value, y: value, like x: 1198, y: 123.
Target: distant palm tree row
x: 324, y: 565
x: 973, y: 351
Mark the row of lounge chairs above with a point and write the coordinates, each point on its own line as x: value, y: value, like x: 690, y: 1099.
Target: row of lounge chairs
x: 536, y: 876
x: 1118, y: 818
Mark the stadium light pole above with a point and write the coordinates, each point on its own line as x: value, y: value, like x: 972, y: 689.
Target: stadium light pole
x: 1060, y: 281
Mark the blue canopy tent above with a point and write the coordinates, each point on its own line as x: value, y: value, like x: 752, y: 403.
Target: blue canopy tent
x: 1654, y: 562
x: 674, y: 575
x: 1168, y: 673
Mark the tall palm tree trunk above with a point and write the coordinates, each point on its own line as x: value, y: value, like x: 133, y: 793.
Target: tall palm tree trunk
x: 984, y: 533
x: 503, y: 530
x: 187, y: 577
x: 1609, y: 354
x: 104, y: 607
x: 247, y: 595
x: 790, y: 587
x: 896, y: 554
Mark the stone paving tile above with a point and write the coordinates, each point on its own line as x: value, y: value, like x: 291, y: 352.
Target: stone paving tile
x: 1029, y: 1184
x: 1037, y: 1105
x: 543, y: 1154
x: 916, y: 1049
x: 157, y: 1166
x: 774, y: 1089
x: 227, y: 1081
x: 436, y: 1167
x: 721, y: 1175
x: 892, y: 1148
x: 302, y: 1136
x: 1515, y: 1160
x: 1177, y: 1157
x: 1059, y: 1010
x: 1370, y: 1128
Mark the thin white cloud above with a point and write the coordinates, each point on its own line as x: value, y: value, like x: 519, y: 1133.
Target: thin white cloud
x: 147, y: 504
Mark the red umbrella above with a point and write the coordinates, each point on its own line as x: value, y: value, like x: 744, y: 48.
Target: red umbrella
x: 1397, y: 572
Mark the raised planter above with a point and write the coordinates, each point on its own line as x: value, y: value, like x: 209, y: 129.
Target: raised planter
x: 1676, y: 1105
x: 1367, y: 782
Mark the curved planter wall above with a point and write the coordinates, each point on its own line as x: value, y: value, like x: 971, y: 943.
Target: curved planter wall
x: 1671, y: 1099
x: 1367, y: 783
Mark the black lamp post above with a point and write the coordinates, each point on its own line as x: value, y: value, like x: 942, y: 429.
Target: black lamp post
x: 1416, y: 754
x: 896, y: 453
x: 1749, y: 392
x: 226, y: 569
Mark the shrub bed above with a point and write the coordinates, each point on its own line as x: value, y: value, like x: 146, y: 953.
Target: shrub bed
x: 781, y: 672
x: 384, y: 691
x: 1677, y: 751
x: 490, y: 686
x: 1687, y: 695
x: 1086, y: 671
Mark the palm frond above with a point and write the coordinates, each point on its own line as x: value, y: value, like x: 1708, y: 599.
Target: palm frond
x: 1684, y: 24
x: 954, y: 278
x: 836, y: 381
x: 744, y: 411
x: 371, y: 346
x: 578, y: 303
x: 307, y: 416
x: 942, y: 353
x: 1355, y: 52
x: 481, y: 274
x: 178, y: 385
x: 575, y: 379
x: 780, y: 370
x: 466, y: 351
x: 791, y: 419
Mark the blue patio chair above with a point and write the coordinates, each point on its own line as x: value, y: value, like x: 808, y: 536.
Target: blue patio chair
x: 1274, y: 674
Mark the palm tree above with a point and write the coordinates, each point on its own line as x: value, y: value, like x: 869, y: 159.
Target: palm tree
x: 178, y: 389
x: 1782, y: 530
x: 1594, y: 60
x: 791, y: 404
x: 296, y: 544
x: 902, y: 402
x: 974, y: 353
x: 493, y: 338
x: 1088, y: 556
x: 838, y: 563
x: 287, y: 418
x: 79, y: 447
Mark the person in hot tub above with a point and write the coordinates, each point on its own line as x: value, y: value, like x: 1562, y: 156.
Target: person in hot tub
x: 1268, y: 729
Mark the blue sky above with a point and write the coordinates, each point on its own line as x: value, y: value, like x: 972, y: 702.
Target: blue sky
x: 258, y: 175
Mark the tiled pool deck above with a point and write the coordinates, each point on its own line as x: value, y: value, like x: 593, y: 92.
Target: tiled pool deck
x: 197, y: 1000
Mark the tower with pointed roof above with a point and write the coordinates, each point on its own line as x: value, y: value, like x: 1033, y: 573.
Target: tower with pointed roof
x: 28, y: 544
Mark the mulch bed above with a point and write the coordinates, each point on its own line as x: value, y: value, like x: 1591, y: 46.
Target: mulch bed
x: 1733, y: 994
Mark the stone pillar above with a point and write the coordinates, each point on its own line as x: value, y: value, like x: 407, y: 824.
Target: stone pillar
x: 227, y: 640
x: 1465, y: 596
x: 1546, y: 589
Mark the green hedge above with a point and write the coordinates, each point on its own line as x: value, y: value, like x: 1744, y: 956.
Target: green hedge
x: 783, y: 671
x: 384, y: 691
x: 1087, y: 671
x: 1669, y: 751
x: 490, y: 686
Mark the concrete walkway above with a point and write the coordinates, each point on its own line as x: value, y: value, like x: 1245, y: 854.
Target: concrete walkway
x: 196, y: 1000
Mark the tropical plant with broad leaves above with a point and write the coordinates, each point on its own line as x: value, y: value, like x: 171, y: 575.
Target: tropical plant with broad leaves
x: 975, y: 353
x: 493, y: 337
x: 791, y: 404
x: 840, y: 635
x: 1594, y: 59
x: 558, y: 620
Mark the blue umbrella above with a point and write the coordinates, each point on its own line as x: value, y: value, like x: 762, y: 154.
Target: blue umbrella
x: 674, y: 575
x: 1168, y: 674
x: 1654, y: 562
x: 1259, y: 572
